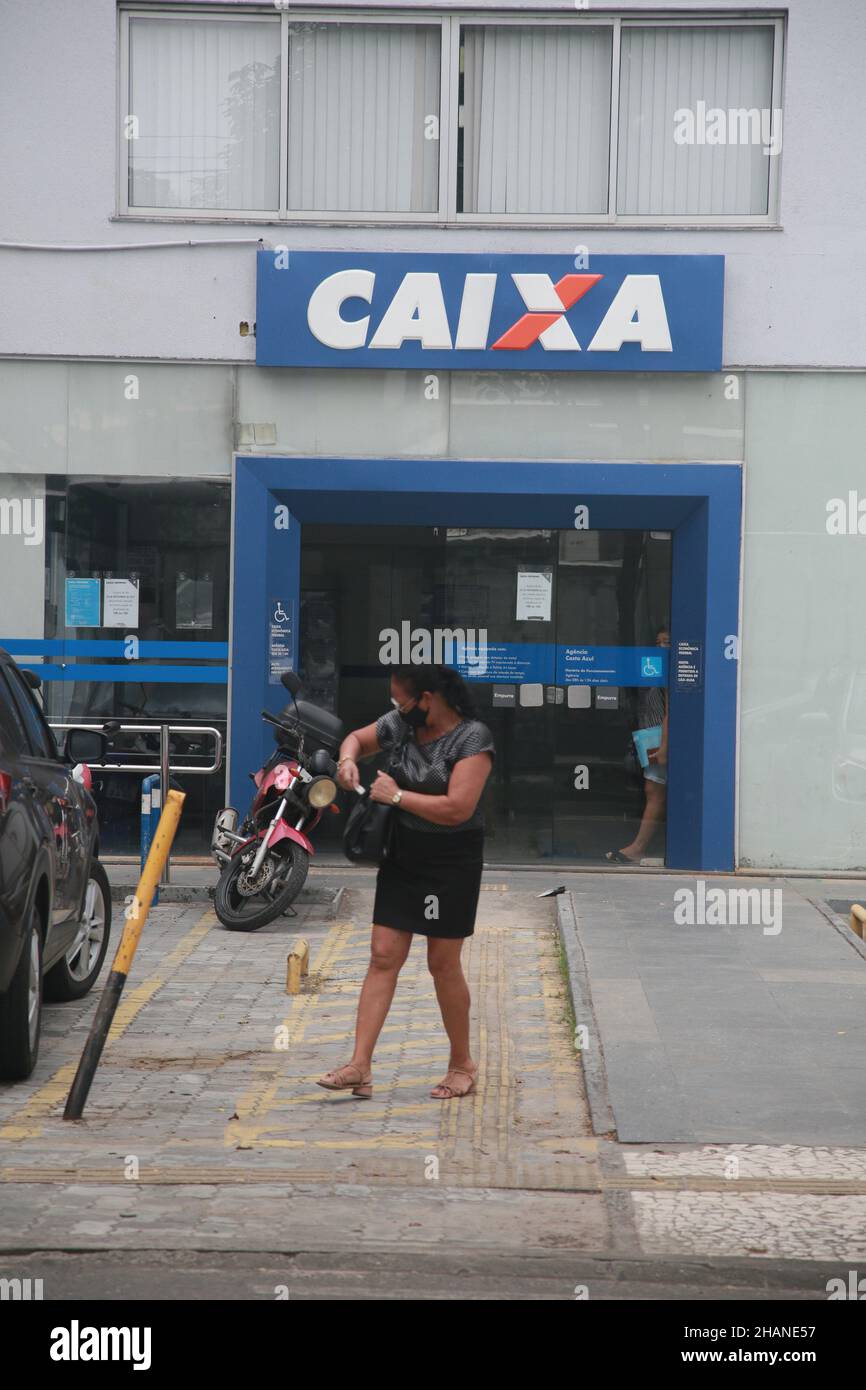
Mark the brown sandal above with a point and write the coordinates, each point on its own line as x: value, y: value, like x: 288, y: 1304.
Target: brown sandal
x: 446, y: 1085
x: 338, y: 1081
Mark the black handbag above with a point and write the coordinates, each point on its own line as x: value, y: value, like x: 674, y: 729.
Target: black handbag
x: 369, y: 834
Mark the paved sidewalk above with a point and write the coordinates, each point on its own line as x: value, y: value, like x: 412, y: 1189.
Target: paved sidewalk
x: 208, y: 1084
x: 209, y: 1164
x: 729, y: 1033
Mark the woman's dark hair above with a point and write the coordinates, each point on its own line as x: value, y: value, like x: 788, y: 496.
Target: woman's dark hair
x: 442, y: 680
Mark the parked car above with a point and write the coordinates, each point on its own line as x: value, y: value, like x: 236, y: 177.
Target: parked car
x: 55, y: 900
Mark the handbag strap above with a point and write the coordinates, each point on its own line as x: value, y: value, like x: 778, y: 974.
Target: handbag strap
x: 398, y: 748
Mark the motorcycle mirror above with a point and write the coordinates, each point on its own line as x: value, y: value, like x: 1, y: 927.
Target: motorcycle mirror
x: 291, y: 682
x: 321, y: 763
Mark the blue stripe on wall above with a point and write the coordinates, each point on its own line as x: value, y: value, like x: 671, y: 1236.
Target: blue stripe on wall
x: 74, y: 646
x: 133, y: 671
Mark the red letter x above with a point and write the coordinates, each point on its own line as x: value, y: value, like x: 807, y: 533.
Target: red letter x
x: 548, y: 303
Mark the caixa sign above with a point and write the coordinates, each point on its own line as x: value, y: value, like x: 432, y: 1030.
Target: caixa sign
x: 489, y: 313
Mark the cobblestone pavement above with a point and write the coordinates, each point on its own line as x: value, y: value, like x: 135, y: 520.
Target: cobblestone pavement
x: 205, y: 1132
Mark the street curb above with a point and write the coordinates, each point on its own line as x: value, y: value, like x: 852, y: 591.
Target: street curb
x: 750, y: 1274
x: 839, y: 924
x: 592, y: 1058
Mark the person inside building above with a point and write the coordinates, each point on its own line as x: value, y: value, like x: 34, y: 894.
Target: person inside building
x: 440, y: 757
x: 653, y: 713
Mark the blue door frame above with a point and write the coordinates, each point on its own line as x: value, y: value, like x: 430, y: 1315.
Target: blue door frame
x: 699, y: 503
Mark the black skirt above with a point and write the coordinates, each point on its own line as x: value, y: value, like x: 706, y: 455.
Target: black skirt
x: 430, y: 882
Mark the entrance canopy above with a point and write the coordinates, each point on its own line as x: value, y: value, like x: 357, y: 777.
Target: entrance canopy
x: 700, y: 504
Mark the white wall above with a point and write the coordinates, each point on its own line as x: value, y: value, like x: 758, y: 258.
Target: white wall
x: 175, y: 419
x: 514, y: 415
x: 794, y: 297
x: 803, y: 677
x: 122, y: 418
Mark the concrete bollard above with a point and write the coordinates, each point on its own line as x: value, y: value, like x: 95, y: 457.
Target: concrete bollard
x: 857, y: 921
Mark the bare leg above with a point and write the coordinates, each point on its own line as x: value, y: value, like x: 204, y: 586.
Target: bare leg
x: 452, y: 991
x: 388, y: 951
x: 653, y: 815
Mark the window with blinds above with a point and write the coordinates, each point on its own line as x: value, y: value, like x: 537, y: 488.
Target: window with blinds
x: 363, y: 118
x: 599, y: 120
x: 204, y: 122
x: 535, y: 120
x: 689, y: 140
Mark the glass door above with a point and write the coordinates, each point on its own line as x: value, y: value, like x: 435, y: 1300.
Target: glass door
x: 566, y: 783
x: 613, y: 599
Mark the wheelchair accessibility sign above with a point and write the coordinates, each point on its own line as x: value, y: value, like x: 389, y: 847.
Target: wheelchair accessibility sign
x: 281, y: 646
x: 619, y: 666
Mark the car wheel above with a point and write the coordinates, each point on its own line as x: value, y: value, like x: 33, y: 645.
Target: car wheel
x: 74, y: 975
x: 21, y: 1009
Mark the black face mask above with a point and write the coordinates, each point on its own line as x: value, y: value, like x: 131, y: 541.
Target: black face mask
x: 416, y: 718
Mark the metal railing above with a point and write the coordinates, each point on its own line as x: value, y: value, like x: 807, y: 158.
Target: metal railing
x: 164, y: 767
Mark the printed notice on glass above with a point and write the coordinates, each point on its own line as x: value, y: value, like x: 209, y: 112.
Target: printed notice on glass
x: 120, y: 603
x: 193, y: 602
x: 534, y: 595
x: 281, y: 641
x: 688, y: 666
x: 82, y: 602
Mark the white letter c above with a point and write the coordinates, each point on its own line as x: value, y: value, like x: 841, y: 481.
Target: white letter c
x: 323, y: 311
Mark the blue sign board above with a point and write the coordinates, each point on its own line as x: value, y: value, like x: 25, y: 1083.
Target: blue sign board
x: 528, y: 663
x: 630, y: 666
x: 520, y: 663
x: 82, y: 602
x: 689, y: 665
x: 489, y: 312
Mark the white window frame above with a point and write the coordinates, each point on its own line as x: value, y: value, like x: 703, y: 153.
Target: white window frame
x: 449, y: 24
x: 135, y: 210
x: 711, y: 219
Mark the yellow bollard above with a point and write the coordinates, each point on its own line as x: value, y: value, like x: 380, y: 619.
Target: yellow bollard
x: 857, y: 920
x: 135, y: 920
x: 297, y: 965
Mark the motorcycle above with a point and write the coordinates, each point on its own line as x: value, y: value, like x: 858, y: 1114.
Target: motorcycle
x: 264, y: 863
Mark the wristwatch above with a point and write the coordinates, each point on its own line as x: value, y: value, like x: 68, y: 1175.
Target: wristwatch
x: 397, y: 798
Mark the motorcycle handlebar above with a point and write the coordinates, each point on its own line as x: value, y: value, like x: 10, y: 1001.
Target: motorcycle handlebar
x: 269, y: 718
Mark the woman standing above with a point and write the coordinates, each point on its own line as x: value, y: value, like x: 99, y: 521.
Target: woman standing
x: 441, y: 757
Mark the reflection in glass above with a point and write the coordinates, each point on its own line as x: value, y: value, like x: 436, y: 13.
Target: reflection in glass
x: 205, y: 98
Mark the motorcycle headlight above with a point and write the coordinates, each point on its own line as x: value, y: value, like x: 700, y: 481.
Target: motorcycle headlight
x: 321, y: 792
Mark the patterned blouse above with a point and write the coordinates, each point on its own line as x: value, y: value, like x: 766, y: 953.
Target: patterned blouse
x: 653, y: 706
x: 426, y: 767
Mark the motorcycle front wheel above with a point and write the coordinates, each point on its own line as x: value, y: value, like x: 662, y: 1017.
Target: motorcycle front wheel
x: 240, y: 912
